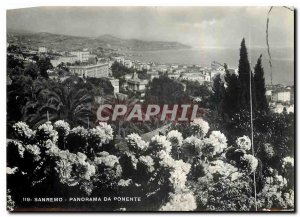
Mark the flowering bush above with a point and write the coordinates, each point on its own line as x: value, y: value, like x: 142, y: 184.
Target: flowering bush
x: 173, y: 172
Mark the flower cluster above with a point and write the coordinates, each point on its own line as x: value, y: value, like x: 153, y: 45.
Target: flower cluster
x: 45, y: 132
x: 178, y: 175
x: 107, y: 129
x: 110, y: 162
x: 200, y: 127
x: 34, y: 150
x: 223, y: 169
x: 215, y: 144
x: 180, y: 202
x: 73, y: 168
x: 244, y: 143
x: 175, y: 137
x: 135, y: 143
x: 287, y: 162
x: 183, y: 172
x: 272, y: 192
x: 79, y: 131
x: 102, y: 134
x: 106, y: 159
x: 251, y: 162
x: 62, y: 127
x: 148, y: 162
x: 125, y: 183
x: 22, y: 131
x: 161, y: 143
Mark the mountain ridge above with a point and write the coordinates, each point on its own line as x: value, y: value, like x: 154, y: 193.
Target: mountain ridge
x: 70, y: 42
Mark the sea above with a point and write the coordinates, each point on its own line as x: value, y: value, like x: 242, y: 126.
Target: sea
x: 282, y: 60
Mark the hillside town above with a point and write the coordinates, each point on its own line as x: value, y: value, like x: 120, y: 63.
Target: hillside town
x: 84, y: 64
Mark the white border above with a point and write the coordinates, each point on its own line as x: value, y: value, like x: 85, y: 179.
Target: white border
x: 11, y: 4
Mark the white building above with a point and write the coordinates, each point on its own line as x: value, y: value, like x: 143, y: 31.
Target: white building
x: 42, y: 50
x: 120, y: 60
x: 195, y: 77
x: 281, y: 96
x: 96, y: 71
x: 115, y: 84
x: 136, y: 84
x: 279, y: 108
x: 146, y: 67
x: 128, y: 63
x: 82, y: 56
x: 153, y: 74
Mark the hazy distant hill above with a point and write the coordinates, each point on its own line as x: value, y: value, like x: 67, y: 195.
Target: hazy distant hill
x: 67, y: 42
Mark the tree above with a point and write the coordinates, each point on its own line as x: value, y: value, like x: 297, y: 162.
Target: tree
x: 195, y: 89
x: 32, y: 70
x: 44, y: 64
x: 164, y: 90
x: 260, y: 89
x: 233, y: 93
x: 118, y: 70
x: 244, y: 78
x: 100, y: 86
x: 143, y: 74
x: 56, y: 101
x: 18, y: 94
x: 218, y: 94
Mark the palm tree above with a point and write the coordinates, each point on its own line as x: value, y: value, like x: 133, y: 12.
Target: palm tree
x: 63, y: 101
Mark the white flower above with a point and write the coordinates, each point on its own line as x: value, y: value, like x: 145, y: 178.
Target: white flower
x: 177, y: 179
x: 124, y: 183
x: 53, y: 150
x: 252, y: 162
x: 81, y: 131
x: 34, y: 150
x: 108, y: 129
x: 175, y: 137
x: 10, y: 170
x: 224, y: 169
x: 178, y: 174
x: 161, y: 143
x: 107, y: 159
x: 288, y: 162
x: 136, y: 143
x: 289, y: 198
x: 62, y: 126
x: 269, y: 150
x: 20, y: 147
x: 81, y: 157
x: 244, y: 143
x: 184, y: 201
x: 194, y: 142
x: 280, y: 180
x: 215, y: 144
x: 89, y: 171
x: 165, y: 159
x: 64, y: 169
x: 103, y: 133
x: 200, y: 126
x: 46, y: 131
x: 22, y: 130
x: 148, y: 161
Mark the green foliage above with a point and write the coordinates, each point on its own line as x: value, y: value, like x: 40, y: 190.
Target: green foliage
x: 44, y: 64
x: 118, y: 70
x: 244, y: 71
x: 259, y: 84
x: 164, y: 90
x: 32, y: 70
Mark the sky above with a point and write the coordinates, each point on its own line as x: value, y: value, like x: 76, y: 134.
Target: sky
x: 211, y: 27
